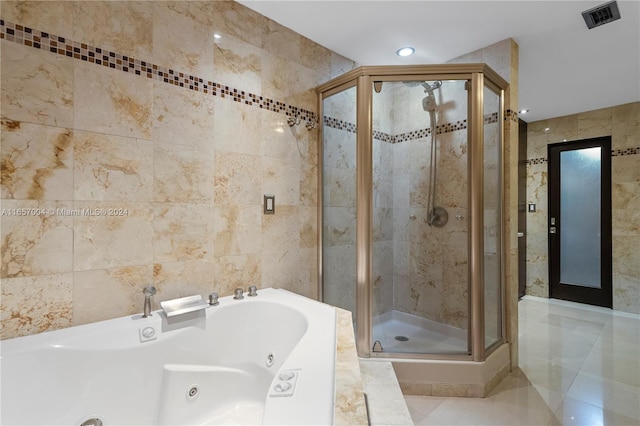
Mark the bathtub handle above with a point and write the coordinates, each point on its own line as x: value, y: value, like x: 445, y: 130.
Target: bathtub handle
x: 253, y: 291
x: 238, y: 294
x: 213, y: 299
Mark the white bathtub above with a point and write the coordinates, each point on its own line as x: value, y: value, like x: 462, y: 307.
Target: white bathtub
x: 221, y: 365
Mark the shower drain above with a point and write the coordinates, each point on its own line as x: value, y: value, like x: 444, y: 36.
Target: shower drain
x: 401, y: 338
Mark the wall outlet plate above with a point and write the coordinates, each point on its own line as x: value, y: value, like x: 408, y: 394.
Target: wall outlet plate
x: 269, y: 204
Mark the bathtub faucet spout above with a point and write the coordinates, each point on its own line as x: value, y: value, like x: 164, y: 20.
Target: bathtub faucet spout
x: 148, y: 292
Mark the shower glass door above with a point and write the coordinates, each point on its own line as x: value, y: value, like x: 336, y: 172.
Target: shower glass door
x: 420, y: 227
x: 338, y: 258
x: 492, y: 191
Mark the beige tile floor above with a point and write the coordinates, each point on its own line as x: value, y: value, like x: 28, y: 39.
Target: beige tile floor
x: 579, y: 365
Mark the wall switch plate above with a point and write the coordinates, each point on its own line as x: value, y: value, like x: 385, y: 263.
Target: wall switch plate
x: 532, y: 207
x: 269, y: 204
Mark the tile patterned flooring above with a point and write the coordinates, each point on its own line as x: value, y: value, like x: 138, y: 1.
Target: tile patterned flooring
x: 579, y: 365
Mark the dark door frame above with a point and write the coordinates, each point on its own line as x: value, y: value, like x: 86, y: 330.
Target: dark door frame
x: 522, y: 207
x: 593, y: 296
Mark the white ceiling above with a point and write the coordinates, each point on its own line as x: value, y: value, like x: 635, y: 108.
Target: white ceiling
x: 564, y: 67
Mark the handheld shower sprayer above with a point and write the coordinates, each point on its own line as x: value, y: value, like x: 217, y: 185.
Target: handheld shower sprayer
x: 437, y: 216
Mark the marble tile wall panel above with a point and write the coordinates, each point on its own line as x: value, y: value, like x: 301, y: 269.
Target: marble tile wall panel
x: 276, y: 267
x: 182, y: 232
x: 233, y: 19
x: 37, y: 88
x: 112, y: 234
x: 37, y: 239
x: 35, y: 304
x: 237, y: 230
x: 182, y: 174
x: 125, y: 27
x: 185, y: 117
x: 295, y: 83
x: 238, y: 63
x: 281, y: 231
x: 55, y: 16
x: 112, y: 168
x: 112, y: 102
x: 183, y: 36
x: 37, y: 161
x: 626, y: 125
x: 237, y: 179
x: 309, y: 184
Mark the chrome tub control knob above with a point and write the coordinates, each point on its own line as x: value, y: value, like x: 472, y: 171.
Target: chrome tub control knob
x: 213, y: 299
x: 238, y: 294
x: 253, y: 291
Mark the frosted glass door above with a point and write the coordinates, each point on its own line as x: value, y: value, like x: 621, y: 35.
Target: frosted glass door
x: 580, y: 242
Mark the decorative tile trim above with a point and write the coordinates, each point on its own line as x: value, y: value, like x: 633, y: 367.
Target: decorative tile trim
x: 407, y: 136
x: 511, y: 115
x: 492, y: 118
x: 625, y: 151
x: 62, y: 46
x: 336, y: 123
x: 536, y: 161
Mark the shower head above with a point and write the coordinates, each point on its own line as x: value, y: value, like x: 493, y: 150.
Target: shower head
x: 431, y: 87
x: 428, y: 87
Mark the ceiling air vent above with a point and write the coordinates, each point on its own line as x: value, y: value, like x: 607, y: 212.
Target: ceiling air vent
x: 601, y: 15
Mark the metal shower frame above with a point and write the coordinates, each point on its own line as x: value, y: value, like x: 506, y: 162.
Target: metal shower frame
x: 478, y: 76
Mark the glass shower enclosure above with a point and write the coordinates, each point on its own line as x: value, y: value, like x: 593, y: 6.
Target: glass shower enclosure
x: 411, y: 208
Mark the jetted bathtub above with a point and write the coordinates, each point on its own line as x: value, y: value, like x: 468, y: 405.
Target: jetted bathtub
x: 268, y: 359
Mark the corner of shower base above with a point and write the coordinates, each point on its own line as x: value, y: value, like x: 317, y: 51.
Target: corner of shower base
x: 453, y: 378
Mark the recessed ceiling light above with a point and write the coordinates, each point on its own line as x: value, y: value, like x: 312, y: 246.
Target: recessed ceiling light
x: 524, y: 111
x: 405, y: 51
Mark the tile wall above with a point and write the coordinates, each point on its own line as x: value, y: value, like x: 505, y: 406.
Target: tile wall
x: 622, y: 123
x: 136, y: 149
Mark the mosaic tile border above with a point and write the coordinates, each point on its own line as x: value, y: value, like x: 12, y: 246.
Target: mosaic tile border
x: 614, y: 153
x: 511, y: 115
x: 536, y: 161
x: 63, y: 46
x: 407, y: 136
x: 625, y: 151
